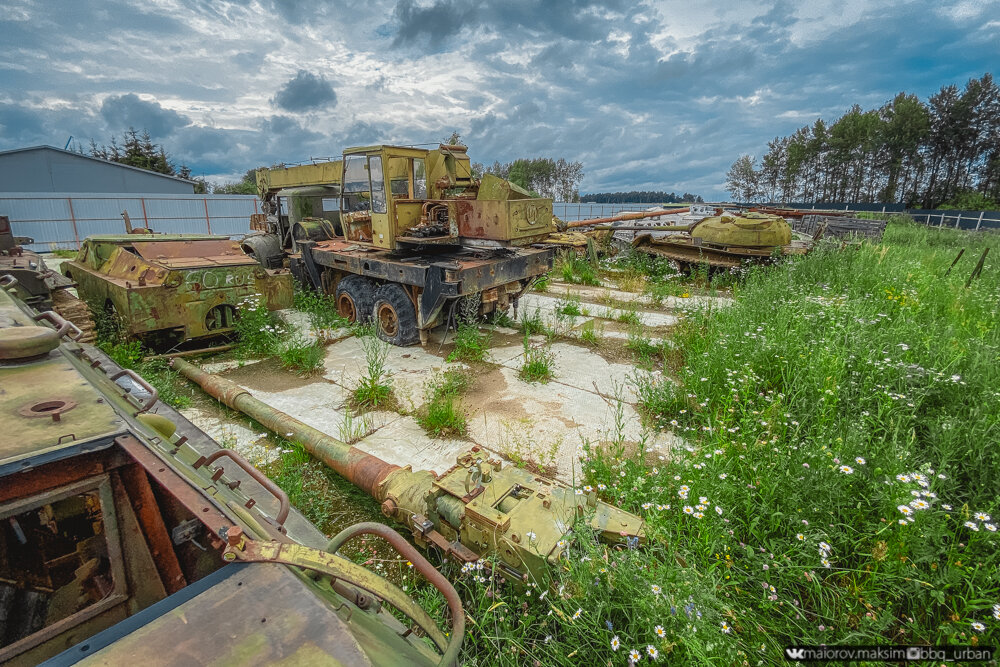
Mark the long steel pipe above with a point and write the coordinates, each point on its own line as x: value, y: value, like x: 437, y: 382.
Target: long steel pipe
x: 626, y: 216
x: 363, y: 470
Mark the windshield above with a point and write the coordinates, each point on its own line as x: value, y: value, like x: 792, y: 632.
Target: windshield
x: 357, y: 195
x: 378, y: 184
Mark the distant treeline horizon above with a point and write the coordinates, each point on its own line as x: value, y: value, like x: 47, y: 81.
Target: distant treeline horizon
x: 639, y: 197
x: 942, y: 153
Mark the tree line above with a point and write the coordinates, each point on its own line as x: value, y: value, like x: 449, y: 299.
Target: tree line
x: 138, y: 150
x: 944, y: 152
x: 640, y: 197
x: 545, y: 177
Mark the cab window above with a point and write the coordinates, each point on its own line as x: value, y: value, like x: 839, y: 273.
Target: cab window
x: 377, y: 184
x: 357, y: 188
x: 419, y: 179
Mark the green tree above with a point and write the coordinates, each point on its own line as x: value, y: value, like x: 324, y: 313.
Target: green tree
x: 742, y: 179
x: 245, y: 186
x: 906, y: 127
x: 138, y: 150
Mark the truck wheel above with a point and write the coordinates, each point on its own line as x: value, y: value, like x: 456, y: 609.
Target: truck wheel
x: 355, y: 299
x: 395, y: 319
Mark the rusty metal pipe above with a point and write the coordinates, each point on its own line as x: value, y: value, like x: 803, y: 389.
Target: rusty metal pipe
x: 638, y: 215
x: 662, y: 228
x: 422, y: 566
x: 363, y: 470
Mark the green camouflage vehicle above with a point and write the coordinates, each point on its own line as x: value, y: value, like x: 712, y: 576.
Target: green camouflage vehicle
x: 167, y: 288
x: 128, y: 537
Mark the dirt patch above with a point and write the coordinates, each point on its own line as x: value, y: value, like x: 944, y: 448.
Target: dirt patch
x: 268, y: 375
x: 486, y: 383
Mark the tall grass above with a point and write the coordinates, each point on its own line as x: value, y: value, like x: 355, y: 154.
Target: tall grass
x: 838, y: 482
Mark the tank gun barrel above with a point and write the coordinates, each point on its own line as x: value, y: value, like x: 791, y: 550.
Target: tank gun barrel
x: 361, y: 469
x: 474, y: 509
x: 638, y: 215
x: 661, y: 228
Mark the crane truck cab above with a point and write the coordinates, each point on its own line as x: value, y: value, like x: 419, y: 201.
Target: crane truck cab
x: 400, y: 235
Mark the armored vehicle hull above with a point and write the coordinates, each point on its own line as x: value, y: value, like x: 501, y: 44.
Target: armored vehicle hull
x: 127, y: 536
x: 166, y: 289
x: 39, y: 286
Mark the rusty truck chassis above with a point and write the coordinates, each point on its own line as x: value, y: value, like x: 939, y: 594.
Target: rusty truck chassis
x: 433, y: 278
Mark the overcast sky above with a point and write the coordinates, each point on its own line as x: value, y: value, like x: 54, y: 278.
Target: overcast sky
x: 647, y: 95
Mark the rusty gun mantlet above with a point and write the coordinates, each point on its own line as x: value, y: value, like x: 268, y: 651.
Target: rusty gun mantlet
x: 475, y: 509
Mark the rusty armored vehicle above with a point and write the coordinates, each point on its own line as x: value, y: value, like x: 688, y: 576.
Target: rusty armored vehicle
x: 166, y: 289
x: 38, y: 285
x: 127, y: 536
x: 723, y: 240
x: 477, y: 510
x: 400, y: 235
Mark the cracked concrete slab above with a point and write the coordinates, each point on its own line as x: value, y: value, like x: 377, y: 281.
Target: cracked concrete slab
x: 408, y: 368
x: 548, y: 306
x: 403, y: 442
x: 548, y: 423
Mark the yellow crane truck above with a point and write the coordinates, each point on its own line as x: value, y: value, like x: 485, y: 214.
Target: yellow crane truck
x: 400, y: 235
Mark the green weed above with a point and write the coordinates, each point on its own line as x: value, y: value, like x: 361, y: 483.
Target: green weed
x: 538, y: 363
x: 502, y: 319
x: 471, y: 344
x: 532, y: 324
x: 259, y: 332
x: 442, y: 415
x: 576, y: 269
x: 570, y: 305
x: 321, y: 309
x: 628, y: 317
x: 375, y: 387
x: 591, y: 333
x: 301, y: 356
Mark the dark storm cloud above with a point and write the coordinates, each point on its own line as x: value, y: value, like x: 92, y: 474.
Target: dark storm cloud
x: 124, y: 111
x: 305, y: 91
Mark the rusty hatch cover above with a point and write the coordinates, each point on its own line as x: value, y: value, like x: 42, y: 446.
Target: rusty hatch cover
x: 193, y: 253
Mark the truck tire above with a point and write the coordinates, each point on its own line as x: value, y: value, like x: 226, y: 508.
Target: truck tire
x: 355, y: 299
x: 395, y: 318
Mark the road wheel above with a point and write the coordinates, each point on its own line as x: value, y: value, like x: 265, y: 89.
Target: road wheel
x: 395, y: 318
x: 355, y: 298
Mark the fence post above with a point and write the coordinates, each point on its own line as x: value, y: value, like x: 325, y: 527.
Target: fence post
x: 72, y: 217
x: 941, y: 223
x: 980, y: 220
x: 883, y: 210
x: 208, y: 221
x: 928, y: 221
x: 958, y: 220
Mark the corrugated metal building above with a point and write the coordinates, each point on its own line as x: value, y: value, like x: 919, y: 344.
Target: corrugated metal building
x: 62, y: 220
x: 49, y: 169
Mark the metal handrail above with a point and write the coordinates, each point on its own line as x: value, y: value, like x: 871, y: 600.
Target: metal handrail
x: 283, y: 503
